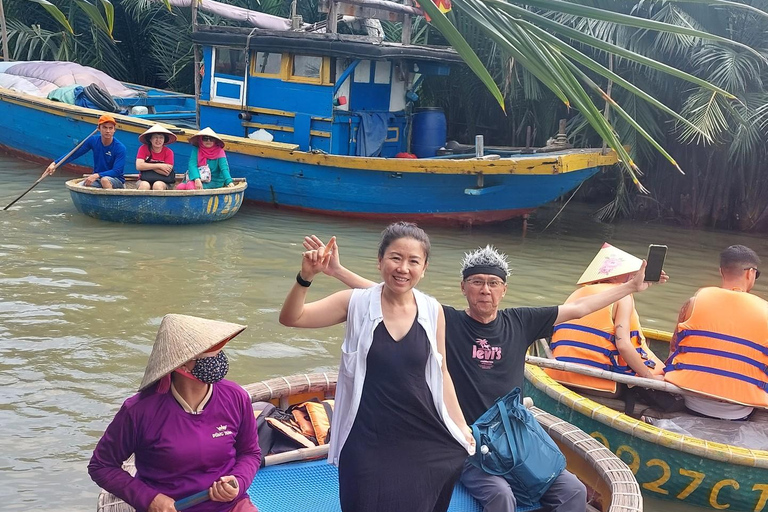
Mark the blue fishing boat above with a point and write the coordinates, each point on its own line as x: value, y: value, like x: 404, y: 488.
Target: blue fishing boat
x: 335, y: 114
x: 302, y: 479
x: 132, y: 206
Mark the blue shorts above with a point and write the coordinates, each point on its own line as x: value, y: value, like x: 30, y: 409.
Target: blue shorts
x: 116, y: 183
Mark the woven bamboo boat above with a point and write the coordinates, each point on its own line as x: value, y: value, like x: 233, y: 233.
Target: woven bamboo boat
x: 132, y: 206
x: 303, y: 480
x: 667, y: 465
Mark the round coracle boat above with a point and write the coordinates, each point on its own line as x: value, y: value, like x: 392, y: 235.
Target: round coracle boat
x: 668, y: 465
x: 132, y: 206
x: 302, y: 479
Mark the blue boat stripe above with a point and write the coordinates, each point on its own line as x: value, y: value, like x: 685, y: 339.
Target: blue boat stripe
x: 585, y: 346
x: 724, y: 337
x: 716, y: 371
x: 727, y: 355
x: 583, y: 328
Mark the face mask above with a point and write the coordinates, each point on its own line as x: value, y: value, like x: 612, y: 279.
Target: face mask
x: 211, y: 369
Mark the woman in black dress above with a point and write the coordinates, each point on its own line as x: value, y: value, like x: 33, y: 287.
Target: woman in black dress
x: 398, y: 434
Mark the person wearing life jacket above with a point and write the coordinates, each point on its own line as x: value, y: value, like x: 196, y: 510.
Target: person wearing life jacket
x: 720, y: 346
x: 610, y: 338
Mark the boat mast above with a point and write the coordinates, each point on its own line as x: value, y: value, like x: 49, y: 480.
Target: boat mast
x: 196, y: 49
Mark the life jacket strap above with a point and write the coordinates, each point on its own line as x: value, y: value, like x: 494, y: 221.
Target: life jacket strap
x: 716, y: 371
x: 608, y: 367
x: 723, y: 337
x: 591, y: 330
x: 726, y: 355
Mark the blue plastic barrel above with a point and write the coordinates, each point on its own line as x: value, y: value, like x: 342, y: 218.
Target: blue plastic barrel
x: 428, y: 131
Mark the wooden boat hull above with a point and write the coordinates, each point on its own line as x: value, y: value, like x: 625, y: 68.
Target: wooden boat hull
x: 449, y: 191
x: 667, y: 465
x: 314, y: 484
x: 172, y: 207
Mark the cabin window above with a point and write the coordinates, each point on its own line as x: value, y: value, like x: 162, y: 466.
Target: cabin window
x: 306, y: 66
x: 230, y: 61
x: 267, y: 63
x: 383, y: 70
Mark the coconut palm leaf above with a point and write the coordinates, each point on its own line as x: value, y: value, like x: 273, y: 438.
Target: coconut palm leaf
x: 56, y: 14
x: 448, y: 30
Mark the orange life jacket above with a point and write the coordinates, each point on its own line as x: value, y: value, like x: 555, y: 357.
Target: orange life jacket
x: 591, y: 341
x: 722, y: 348
x: 314, y: 419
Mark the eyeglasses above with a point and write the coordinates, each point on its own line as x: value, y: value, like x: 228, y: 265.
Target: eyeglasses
x: 479, y: 283
x: 757, y: 272
x: 207, y: 138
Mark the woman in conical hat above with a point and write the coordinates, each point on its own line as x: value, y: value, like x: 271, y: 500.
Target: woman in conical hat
x: 208, y: 166
x: 188, y: 428
x: 610, y: 338
x: 154, y: 160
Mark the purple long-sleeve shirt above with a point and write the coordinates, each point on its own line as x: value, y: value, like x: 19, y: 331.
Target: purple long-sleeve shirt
x: 177, y: 453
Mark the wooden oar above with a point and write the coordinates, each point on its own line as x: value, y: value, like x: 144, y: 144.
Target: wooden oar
x: 581, y: 369
x: 270, y: 460
x: 41, y: 178
x: 191, y: 501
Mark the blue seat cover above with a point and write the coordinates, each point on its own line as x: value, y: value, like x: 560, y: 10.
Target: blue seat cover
x: 314, y: 486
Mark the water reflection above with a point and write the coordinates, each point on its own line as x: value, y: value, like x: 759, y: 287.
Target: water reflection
x: 80, y: 301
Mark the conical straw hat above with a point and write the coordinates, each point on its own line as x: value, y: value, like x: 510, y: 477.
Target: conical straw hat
x: 610, y: 262
x: 157, y: 129
x: 180, y: 338
x: 195, y: 139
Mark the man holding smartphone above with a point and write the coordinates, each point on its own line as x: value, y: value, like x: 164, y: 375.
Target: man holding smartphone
x: 720, y: 345
x: 485, y: 353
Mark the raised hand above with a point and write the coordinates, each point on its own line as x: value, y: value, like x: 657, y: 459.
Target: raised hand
x: 314, y: 243
x: 317, y: 260
x: 639, y: 282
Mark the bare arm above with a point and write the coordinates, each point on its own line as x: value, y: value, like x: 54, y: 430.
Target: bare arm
x: 685, y: 314
x: 449, y: 392
x: 162, y: 168
x: 592, y: 303
x: 331, y: 310
x: 335, y: 269
x: 623, y: 342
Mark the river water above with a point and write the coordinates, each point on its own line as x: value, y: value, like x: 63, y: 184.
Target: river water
x: 81, y: 300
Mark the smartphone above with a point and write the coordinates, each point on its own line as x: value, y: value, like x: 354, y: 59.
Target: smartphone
x: 655, y: 259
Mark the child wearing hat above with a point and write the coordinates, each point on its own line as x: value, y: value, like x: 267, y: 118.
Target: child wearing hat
x: 208, y: 166
x: 108, y: 157
x: 154, y: 159
x: 188, y: 428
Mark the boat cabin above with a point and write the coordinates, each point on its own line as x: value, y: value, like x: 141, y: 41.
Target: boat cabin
x: 337, y: 93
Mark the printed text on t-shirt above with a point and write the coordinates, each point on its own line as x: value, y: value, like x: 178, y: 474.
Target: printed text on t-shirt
x: 485, y: 353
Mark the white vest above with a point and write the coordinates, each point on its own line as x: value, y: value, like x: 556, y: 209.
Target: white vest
x: 363, y: 316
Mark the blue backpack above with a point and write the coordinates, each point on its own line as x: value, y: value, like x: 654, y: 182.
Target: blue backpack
x: 511, y: 444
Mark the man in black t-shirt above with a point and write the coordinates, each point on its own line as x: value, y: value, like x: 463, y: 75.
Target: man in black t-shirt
x: 485, y: 353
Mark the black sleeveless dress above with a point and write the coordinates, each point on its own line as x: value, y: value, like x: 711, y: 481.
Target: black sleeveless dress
x: 399, y: 455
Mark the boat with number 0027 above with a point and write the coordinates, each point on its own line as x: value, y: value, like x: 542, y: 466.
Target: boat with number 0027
x: 303, y: 480
x: 668, y: 465
x: 131, y: 206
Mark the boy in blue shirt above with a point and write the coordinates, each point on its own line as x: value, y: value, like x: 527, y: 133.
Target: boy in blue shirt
x: 108, y: 157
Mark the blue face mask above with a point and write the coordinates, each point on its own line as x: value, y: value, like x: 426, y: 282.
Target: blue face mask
x: 211, y: 369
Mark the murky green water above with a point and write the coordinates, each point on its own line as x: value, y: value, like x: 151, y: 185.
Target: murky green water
x: 80, y: 301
